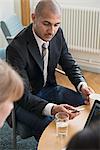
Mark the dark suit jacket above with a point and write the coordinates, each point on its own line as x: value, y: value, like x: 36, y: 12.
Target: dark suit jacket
x: 23, y: 53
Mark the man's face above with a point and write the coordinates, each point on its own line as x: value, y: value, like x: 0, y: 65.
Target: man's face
x: 46, y: 25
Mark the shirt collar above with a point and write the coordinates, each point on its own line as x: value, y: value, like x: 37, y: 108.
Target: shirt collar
x: 39, y: 41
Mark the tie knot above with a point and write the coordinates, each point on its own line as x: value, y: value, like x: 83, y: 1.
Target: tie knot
x: 44, y: 46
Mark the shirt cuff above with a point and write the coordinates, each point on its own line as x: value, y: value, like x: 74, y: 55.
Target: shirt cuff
x: 47, y: 110
x: 80, y: 84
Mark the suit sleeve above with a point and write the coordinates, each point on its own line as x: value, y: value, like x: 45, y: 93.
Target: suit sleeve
x: 69, y: 65
x: 30, y: 102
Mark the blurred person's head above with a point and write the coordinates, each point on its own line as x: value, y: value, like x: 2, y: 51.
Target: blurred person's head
x: 11, y: 89
x: 46, y: 19
x: 86, y: 139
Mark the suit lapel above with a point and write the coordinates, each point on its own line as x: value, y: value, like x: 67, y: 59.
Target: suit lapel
x: 34, y: 49
x: 52, y: 51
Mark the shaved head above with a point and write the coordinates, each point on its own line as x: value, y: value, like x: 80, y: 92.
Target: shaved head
x: 46, y: 19
x: 49, y: 5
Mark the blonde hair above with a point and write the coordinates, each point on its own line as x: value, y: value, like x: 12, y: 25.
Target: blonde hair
x: 11, y: 84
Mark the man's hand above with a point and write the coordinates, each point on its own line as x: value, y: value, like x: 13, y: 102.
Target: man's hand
x: 86, y: 91
x: 64, y: 108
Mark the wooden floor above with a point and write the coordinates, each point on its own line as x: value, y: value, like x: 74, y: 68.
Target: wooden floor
x: 93, y: 80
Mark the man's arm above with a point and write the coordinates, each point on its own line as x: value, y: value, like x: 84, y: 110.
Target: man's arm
x: 70, y: 66
x: 73, y: 71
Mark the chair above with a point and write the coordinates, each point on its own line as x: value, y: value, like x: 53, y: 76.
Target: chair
x: 2, y: 53
x: 18, y: 128
x: 11, y: 27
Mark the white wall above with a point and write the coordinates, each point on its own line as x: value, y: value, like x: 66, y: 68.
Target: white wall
x: 9, y: 7
x: 81, y: 3
x: 17, y: 8
x: 6, y: 8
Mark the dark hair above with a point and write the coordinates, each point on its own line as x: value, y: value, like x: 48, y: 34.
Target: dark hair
x: 87, y: 139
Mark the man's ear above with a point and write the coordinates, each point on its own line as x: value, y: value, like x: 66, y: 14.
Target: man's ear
x: 33, y: 16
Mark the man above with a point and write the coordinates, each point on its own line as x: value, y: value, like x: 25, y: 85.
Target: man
x: 11, y: 89
x: 35, y: 53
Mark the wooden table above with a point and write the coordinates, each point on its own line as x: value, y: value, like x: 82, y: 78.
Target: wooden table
x: 49, y: 140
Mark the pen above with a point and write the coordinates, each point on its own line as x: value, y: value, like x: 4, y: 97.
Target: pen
x: 78, y: 110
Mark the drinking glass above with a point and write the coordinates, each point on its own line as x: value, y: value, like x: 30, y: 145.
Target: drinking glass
x: 62, y: 120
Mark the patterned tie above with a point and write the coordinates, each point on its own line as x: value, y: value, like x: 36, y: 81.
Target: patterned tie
x: 44, y: 48
x: 45, y: 60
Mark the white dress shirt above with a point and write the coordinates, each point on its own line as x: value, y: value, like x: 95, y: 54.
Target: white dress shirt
x: 48, y: 107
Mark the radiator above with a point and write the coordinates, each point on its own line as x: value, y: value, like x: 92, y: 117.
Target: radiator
x: 81, y: 28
